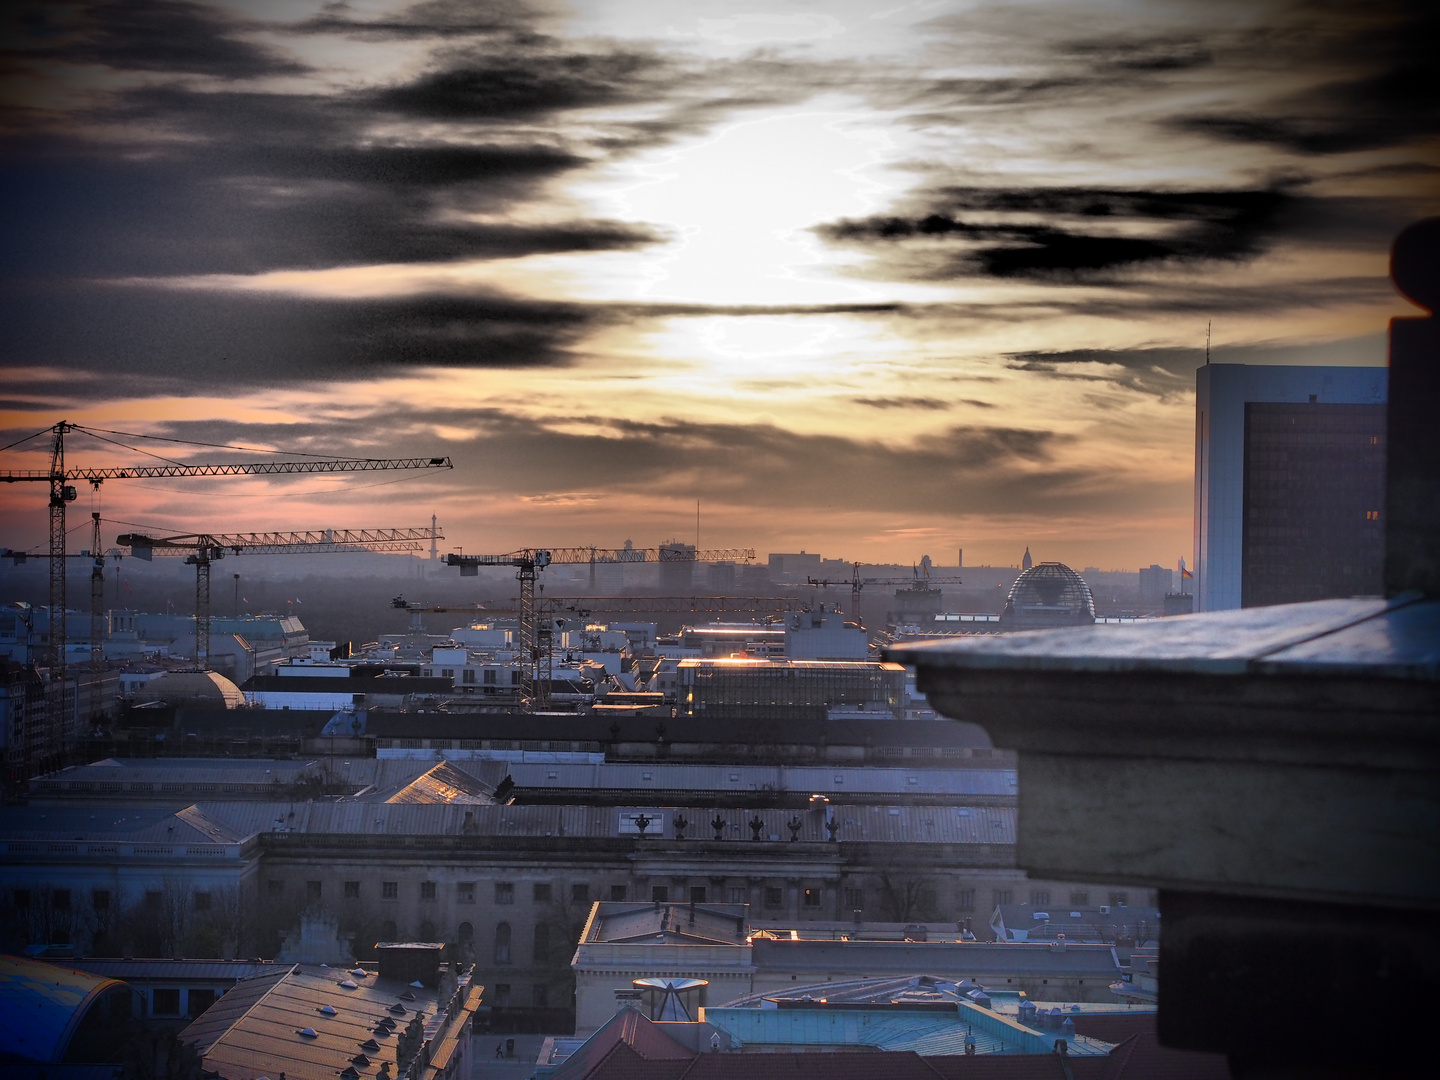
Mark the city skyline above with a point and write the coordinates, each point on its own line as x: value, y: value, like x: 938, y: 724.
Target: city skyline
x: 875, y: 283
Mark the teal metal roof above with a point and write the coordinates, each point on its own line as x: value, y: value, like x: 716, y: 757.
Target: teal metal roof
x: 922, y: 1031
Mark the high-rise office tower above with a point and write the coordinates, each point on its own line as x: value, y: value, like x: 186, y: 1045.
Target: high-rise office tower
x: 1289, y: 483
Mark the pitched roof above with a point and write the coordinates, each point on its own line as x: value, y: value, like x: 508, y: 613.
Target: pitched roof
x: 631, y: 1037
x: 1141, y: 1057
x: 259, y: 1028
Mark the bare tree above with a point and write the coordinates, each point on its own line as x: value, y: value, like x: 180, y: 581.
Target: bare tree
x: 906, y: 897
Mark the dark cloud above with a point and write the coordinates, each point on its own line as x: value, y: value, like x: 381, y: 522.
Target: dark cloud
x: 428, y: 19
x: 927, y: 403
x: 963, y: 469
x: 1167, y: 372
x: 81, y: 214
x: 194, y: 341
x: 1372, y: 80
x: 1046, y: 234
x: 1158, y: 53
x: 487, y: 87
x: 143, y: 35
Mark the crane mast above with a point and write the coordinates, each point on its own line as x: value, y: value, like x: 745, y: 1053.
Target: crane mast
x: 62, y: 491
x: 917, y: 580
x: 536, y: 652
x: 202, y: 550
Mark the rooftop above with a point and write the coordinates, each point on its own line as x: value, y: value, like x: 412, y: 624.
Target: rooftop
x: 316, y: 1023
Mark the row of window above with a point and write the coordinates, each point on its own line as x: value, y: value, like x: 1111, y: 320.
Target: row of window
x: 60, y: 899
x: 540, y: 892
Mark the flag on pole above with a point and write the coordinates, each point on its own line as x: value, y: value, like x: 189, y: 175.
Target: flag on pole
x: 1185, y: 573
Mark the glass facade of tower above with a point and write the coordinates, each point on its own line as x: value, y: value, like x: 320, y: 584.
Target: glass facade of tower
x: 1313, y: 502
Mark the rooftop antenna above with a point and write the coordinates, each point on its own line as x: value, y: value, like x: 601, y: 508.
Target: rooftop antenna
x: 1207, y: 342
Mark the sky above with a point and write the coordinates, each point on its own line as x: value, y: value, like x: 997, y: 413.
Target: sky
x: 872, y: 278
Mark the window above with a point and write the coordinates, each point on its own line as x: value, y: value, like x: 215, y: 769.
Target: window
x: 312, y: 891
x: 1040, y: 898
x: 926, y: 898
x: 540, y: 892
x: 965, y: 900
x: 502, y: 943
x: 469, y: 675
x: 1119, y: 899
x: 466, y: 933
x: 542, y: 943
x: 774, y: 897
x: 540, y: 995
x: 197, y: 1001
x: 617, y: 892
x: 855, y: 899
x: 1079, y: 899
x: 20, y: 898
x: 100, y: 900
x: 465, y: 892
x: 389, y: 890
x: 697, y: 894
x: 153, y: 897
x: 811, y: 898
x: 489, y: 678
x: 427, y: 890
x: 60, y: 900
x: 165, y: 1001
x: 352, y: 890
x: 502, y: 995
x: 1003, y: 896
x: 738, y: 894
x: 504, y: 892
x: 659, y: 893
x: 580, y: 893
x: 202, y: 901
x: 514, y: 678
x: 388, y: 930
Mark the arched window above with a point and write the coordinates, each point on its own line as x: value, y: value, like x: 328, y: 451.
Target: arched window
x: 542, y: 943
x: 388, y: 931
x: 467, y: 933
x: 427, y: 931
x: 502, y: 943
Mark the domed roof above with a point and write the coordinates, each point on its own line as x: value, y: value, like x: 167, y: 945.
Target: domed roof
x: 195, y: 688
x: 1048, y: 594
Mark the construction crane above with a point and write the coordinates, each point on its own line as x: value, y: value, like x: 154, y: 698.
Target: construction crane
x: 536, y: 640
x: 201, y: 550
x: 919, y: 580
x: 62, y: 492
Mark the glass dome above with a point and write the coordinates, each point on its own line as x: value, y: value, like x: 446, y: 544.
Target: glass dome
x: 1048, y: 594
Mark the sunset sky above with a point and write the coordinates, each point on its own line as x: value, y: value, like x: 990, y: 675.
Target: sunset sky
x: 872, y: 278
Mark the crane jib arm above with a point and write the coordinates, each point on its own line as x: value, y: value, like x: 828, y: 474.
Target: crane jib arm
x: 256, y: 468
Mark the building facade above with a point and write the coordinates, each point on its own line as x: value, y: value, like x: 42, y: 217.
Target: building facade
x: 1289, y: 483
